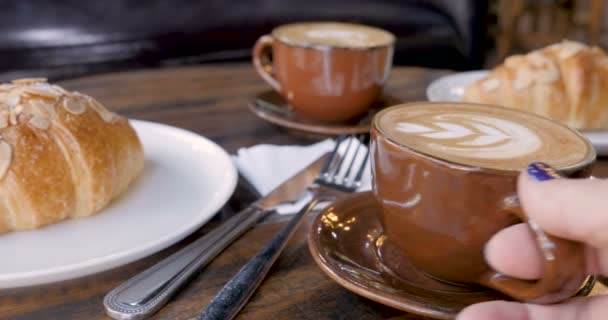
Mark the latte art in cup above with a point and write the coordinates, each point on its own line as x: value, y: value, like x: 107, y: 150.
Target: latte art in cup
x: 478, y: 136
x: 483, y: 136
x: 335, y: 34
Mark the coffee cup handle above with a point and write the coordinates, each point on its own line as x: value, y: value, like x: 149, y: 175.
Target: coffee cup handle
x: 564, y: 266
x: 262, y: 63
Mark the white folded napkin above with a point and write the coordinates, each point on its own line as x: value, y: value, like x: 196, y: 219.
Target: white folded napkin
x: 267, y: 166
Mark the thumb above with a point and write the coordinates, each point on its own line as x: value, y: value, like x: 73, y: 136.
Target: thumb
x: 576, y: 309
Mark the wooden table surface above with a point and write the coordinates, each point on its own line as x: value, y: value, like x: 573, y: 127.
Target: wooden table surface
x: 212, y: 101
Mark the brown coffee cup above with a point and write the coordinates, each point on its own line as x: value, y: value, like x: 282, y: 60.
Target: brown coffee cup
x: 326, y: 71
x: 441, y: 211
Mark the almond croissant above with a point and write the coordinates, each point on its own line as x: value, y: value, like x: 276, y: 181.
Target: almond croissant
x: 62, y: 155
x: 567, y: 82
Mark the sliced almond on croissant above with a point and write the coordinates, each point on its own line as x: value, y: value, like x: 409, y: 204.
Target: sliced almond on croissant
x: 74, y: 105
x: 6, y: 155
x: 40, y: 122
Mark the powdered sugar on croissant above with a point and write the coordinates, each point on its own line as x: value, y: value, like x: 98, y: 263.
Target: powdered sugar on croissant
x: 567, y: 82
x: 62, y: 155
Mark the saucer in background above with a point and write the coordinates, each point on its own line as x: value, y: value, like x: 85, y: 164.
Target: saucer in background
x: 272, y: 107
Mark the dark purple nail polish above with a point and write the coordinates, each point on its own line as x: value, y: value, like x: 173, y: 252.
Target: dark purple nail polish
x: 540, y: 171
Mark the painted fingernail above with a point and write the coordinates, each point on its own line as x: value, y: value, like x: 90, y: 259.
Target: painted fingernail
x: 540, y: 171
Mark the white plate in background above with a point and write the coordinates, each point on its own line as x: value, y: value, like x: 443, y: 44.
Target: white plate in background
x: 451, y: 88
x: 186, y: 180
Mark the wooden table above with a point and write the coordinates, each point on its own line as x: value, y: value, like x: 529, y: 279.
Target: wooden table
x: 212, y: 101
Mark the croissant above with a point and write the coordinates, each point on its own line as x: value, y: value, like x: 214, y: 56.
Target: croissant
x: 567, y: 82
x: 62, y: 155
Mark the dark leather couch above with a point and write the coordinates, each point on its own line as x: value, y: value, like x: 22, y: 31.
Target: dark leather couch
x: 66, y: 38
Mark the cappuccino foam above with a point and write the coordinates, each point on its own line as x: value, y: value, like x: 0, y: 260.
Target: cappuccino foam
x: 333, y: 34
x: 483, y: 136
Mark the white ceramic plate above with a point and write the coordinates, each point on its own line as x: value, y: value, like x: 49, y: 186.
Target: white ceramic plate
x: 186, y: 180
x: 451, y: 88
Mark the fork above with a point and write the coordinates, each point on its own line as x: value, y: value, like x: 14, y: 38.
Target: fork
x: 338, y: 176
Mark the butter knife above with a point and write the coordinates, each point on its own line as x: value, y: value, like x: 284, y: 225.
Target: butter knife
x: 147, y: 292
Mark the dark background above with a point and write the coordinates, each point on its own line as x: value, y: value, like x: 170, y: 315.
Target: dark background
x: 66, y: 38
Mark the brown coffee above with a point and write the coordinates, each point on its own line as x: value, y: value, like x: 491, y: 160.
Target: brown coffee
x: 333, y: 34
x: 483, y: 136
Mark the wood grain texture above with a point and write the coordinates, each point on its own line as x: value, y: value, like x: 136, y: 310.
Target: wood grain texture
x: 212, y: 101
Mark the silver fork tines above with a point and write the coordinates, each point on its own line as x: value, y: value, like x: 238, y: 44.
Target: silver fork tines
x: 342, y: 173
x: 338, y: 172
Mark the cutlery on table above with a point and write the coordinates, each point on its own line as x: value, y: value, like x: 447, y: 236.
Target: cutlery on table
x: 338, y: 177
x: 145, y: 293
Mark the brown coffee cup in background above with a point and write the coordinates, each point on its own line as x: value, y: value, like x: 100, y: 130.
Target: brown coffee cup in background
x: 444, y: 176
x: 326, y: 71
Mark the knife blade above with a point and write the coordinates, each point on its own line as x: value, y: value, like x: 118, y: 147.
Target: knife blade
x: 147, y: 292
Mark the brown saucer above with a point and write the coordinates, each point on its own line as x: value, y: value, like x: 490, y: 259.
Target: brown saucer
x: 346, y: 241
x: 273, y: 108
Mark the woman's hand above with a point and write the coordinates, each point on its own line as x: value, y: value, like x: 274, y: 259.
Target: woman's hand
x: 569, y: 209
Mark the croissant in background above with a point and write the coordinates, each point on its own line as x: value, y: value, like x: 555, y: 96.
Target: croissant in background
x: 567, y: 82
x: 62, y: 155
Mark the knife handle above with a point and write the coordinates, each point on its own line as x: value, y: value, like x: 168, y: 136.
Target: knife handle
x: 144, y: 294
x: 235, y: 294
